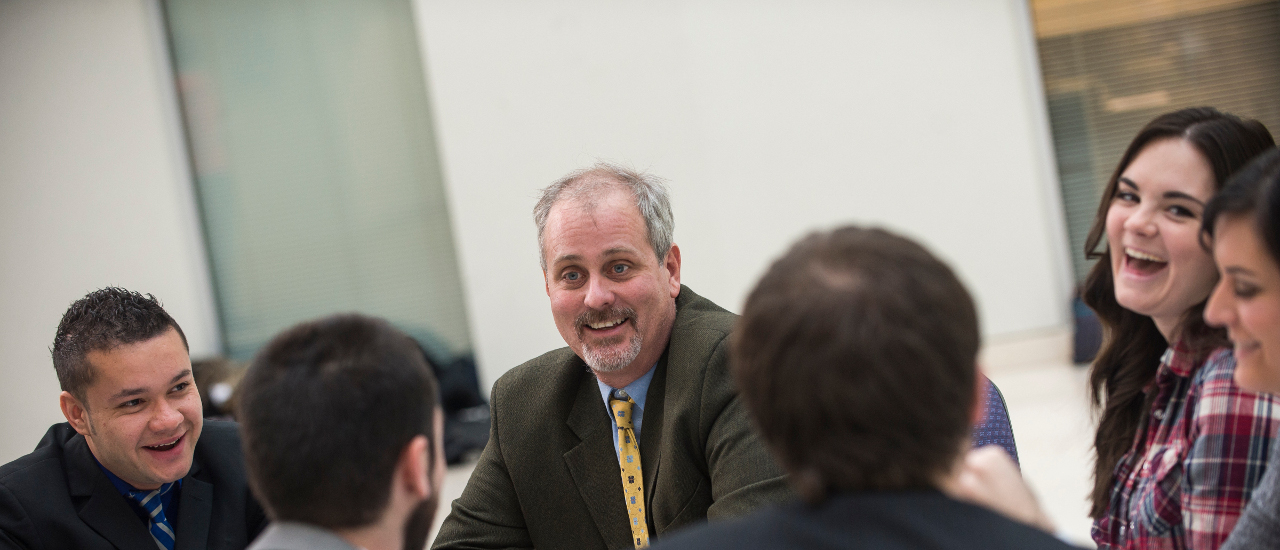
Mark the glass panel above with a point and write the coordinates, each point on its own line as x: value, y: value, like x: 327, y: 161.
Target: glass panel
x: 316, y: 166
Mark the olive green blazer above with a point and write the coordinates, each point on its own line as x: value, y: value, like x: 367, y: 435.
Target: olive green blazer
x: 549, y: 477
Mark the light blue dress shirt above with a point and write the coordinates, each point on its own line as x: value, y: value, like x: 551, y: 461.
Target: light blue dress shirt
x: 637, y: 390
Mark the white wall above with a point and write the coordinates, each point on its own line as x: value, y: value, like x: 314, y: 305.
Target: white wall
x: 769, y: 118
x: 94, y: 189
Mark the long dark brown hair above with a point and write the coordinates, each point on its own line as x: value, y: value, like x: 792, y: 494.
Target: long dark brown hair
x: 1132, y: 347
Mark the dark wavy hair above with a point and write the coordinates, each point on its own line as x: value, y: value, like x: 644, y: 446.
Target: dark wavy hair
x: 1253, y: 192
x: 855, y: 357
x: 1132, y: 346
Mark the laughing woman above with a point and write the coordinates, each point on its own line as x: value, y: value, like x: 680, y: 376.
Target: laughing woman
x: 1243, y: 224
x: 1179, y: 446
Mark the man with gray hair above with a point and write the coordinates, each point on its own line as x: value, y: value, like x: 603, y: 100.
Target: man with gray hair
x: 568, y: 464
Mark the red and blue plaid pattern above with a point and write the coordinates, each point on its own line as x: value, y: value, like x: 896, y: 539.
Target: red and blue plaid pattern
x: 1205, y: 450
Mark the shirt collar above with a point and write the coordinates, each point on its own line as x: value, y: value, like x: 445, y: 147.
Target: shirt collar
x: 292, y: 534
x: 1178, y: 359
x: 121, y: 485
x: 638, y: 390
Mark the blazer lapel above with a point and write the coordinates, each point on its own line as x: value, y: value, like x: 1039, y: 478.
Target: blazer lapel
x: 594, y: 466
x: 105, y: 511
x: 194, y: 508
x: 651, y: 436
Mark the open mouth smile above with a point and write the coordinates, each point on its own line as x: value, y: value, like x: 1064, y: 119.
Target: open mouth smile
x: 1143, y: 263
x: 163, y: 447
x: 605, y: 329
x: 605, y: 323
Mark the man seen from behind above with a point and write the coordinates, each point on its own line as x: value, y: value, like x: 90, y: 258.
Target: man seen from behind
x: 343, y: 437
x: 856, y: 358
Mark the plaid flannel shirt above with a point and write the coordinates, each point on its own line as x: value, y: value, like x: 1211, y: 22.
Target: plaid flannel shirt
x: 1205, y: 450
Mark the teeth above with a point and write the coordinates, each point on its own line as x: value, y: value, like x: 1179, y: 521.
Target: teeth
x: 1138, y: 254
x: 164, y: 447
x: 605, y: 324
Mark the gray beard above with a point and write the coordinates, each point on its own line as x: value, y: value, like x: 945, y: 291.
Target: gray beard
x: 612, y: 360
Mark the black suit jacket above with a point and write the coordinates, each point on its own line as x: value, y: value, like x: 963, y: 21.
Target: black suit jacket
x: 57, y: 498
x: 549, y: 477
x: 889, y: 520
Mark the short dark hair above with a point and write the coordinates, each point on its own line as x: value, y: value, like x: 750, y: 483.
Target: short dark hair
x: 856, y: 358
x: 1253, y: 192
x: 102, y: 320
x: 326, y: 408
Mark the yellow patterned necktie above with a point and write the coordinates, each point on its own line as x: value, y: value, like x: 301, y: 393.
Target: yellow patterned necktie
x: 629, y: 459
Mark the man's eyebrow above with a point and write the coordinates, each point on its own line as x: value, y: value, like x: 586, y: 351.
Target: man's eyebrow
x: 567, y: 258
x: 619, y: 250
x: 130, y: 392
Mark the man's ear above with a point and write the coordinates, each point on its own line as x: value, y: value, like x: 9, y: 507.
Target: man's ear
x: 979, y: 413
x: 672, y: 263
x: 414, y: 467
x: 76, y: 413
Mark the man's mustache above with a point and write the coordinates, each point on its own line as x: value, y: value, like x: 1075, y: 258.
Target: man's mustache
x: 593, y: 316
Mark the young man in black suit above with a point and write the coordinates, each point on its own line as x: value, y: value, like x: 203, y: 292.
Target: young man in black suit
x: 856, y: 359
x: 135, y: 465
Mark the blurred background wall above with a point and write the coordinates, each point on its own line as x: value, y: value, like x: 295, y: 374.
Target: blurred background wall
x: 95, y: 189
x: 769, y: 119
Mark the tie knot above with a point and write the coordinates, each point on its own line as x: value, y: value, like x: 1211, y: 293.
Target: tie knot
x: 622, y: 411
x: 149, y: 499
x: 161, y: 530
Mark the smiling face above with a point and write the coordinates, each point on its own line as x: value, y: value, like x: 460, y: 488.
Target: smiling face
x: 1247, y: 302
x: 1153, y: 226
x: 612, y: 299
x: 143, y: 414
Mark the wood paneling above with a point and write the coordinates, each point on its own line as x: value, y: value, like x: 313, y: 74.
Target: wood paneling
x: 1060, y: 17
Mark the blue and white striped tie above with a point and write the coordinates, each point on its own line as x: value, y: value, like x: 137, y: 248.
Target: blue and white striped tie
x: 161, y: 530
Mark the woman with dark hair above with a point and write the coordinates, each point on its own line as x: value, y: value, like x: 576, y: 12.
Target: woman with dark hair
x: 1243, y: 225
x: 1179, y: 445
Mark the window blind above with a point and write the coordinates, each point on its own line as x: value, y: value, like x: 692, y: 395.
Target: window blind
x: 1110, y: 66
